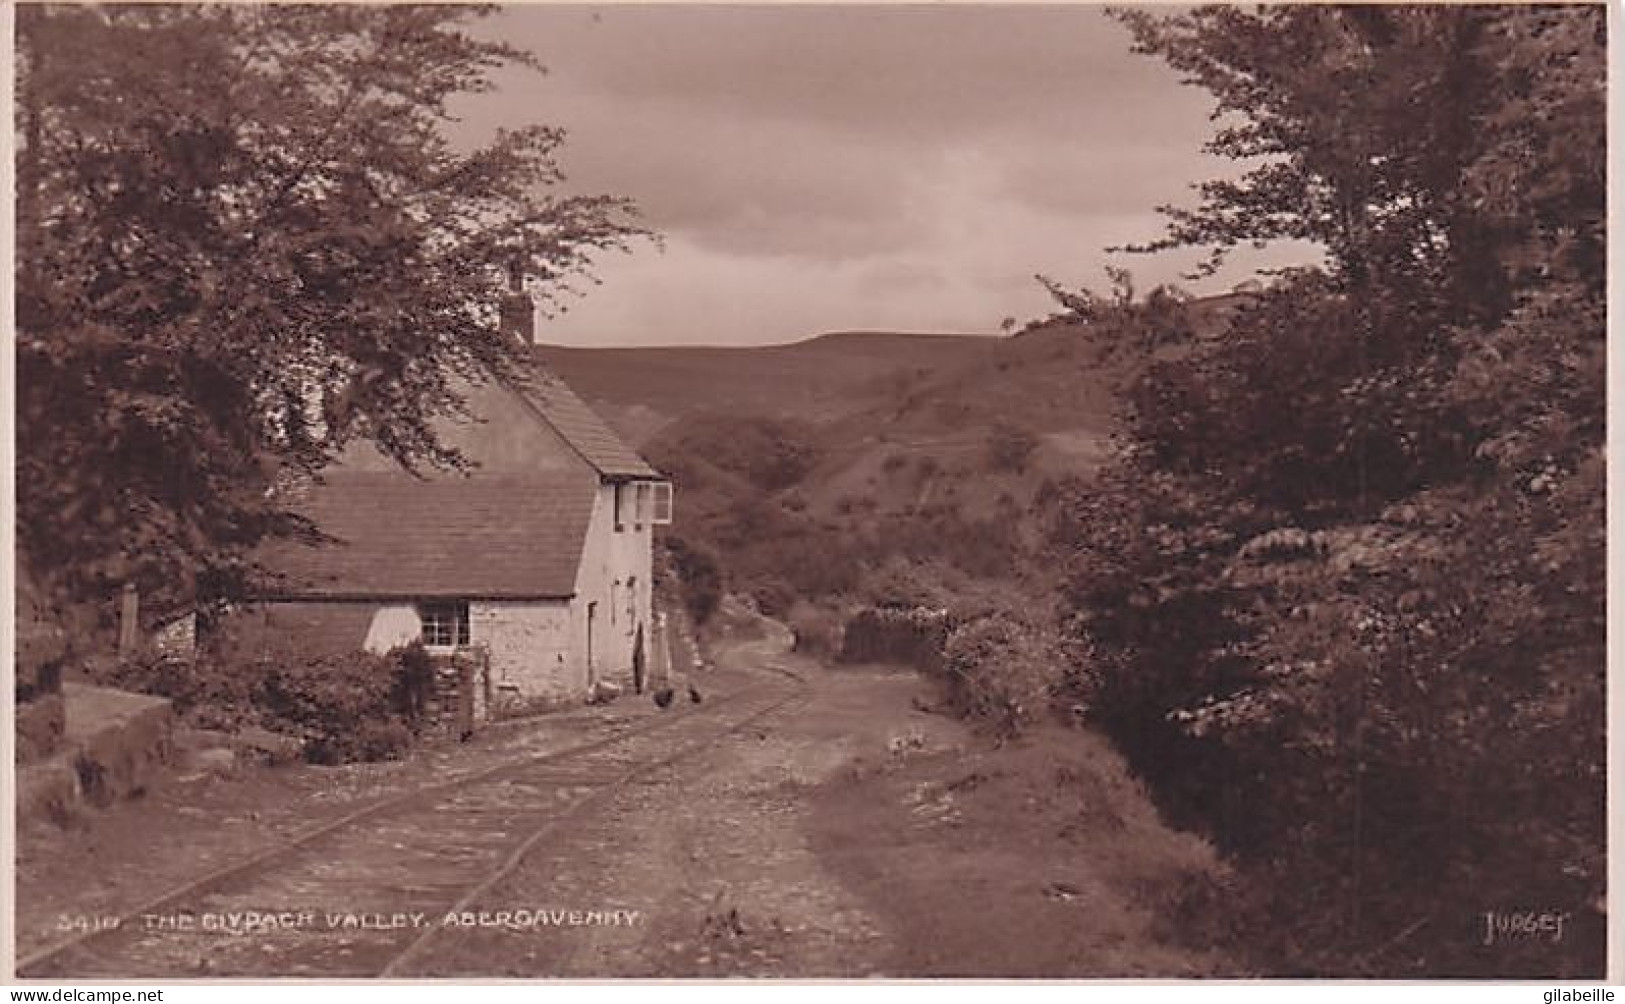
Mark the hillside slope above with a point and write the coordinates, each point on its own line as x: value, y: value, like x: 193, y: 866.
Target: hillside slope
x: 807, y: 466
x: 820, y: 379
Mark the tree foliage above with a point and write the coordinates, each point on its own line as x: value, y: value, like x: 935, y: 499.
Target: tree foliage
x: 770, y: 453
x: 1413, y: 142
x: 245, y: 240
x: 1345, y: 579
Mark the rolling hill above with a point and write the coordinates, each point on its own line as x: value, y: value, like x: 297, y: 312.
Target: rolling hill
x: 809, y: 464
x: 822, y: 378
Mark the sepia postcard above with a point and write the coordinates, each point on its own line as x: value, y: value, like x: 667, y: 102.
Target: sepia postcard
x: 861, y: 492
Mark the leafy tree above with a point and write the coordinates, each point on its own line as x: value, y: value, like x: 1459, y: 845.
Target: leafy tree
x: 1344, y: 582
x: 1139, y: 326
x: 245, y: 241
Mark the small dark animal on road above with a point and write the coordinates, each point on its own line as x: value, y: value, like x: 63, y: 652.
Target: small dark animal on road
x: 694, y: 694
x: 663, y: 697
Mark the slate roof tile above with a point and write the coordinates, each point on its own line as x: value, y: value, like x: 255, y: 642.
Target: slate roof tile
x: 582, y: 428
x: 482, y: 536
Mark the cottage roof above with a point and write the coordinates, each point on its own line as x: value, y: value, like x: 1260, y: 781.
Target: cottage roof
x: 556, y: 404
x: 479, y: 536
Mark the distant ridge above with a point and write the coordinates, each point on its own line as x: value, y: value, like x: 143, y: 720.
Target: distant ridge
x: 860, y: 335
x: 820, y: 378
x: 821, y: 339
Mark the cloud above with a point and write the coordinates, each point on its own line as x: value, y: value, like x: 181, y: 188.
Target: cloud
x: 768, y: 187
x: 904, y: 74
x: 974, y: 267
x: 830, y: 167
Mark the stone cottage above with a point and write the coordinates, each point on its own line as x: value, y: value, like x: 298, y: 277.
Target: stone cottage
x: 539, y: 560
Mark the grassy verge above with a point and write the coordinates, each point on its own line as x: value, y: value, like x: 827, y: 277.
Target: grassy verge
x: 1042, y: 858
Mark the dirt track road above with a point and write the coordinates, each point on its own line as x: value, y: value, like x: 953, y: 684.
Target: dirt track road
x: 843, y: 839
x: 848, y: 834
x: 711, y: 857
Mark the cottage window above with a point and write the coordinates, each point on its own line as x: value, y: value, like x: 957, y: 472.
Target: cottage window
x: 662, y: 503
x: 445, y: 625
x: 620, y: 507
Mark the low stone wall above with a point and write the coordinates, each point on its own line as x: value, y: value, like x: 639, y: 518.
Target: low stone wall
x: 912, y: 636
x: 113, y: 745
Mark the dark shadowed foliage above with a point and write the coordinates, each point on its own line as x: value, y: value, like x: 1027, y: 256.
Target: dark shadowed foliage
x: 1344, y: 582
x: 243, y: 242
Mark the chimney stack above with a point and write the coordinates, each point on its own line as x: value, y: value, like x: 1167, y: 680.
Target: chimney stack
x: 518, y: 309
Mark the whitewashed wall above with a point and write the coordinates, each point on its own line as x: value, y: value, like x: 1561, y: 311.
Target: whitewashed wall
x: 538, y: 649
x: 529, y: 642
x: 392, y: 626
x: 616, y: 572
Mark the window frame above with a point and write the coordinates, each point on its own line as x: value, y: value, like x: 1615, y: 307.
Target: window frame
x: 660, y: 503
x: 439, y: 619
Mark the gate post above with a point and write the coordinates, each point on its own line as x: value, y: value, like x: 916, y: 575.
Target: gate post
x: 128, y: 622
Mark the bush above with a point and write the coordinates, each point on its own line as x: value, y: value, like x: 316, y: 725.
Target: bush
x: 206, y: 693
x: 699, y: 572
x: 1010, y: 447
x: 943, y: 534
x: 1002, y: 672
x: 346, y: 707
x: 773, y: 596
x: 901, y: 582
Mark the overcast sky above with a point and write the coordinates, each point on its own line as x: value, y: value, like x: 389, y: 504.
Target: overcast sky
x: 817, y: 169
